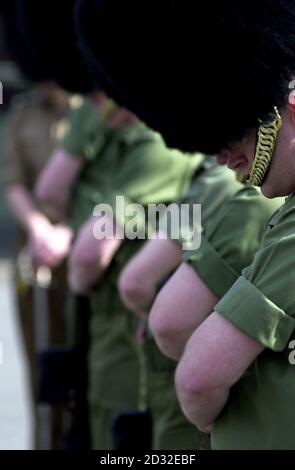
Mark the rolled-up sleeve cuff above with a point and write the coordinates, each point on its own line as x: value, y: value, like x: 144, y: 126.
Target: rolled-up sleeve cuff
x: 216, y: 273
x: 246, y: 307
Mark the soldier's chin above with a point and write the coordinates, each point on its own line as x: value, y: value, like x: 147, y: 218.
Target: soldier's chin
x: 270, y: 190
x: 266, y: 192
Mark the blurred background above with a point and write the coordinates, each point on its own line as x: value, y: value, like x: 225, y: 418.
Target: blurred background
x: 15, y: 407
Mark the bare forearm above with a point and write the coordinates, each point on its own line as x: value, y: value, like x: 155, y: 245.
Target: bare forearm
x: 202, y: 409
x: 173, y: 345
x: 81, y: 278
x: 24, y: 208
x: 55, y: 183
x: 216, y: 357
x: 91, y: 257
x: 172, y: 342
x: 158, y: 259
x: 140, y: 279
x: 181, y: 306
x: 85, y: 273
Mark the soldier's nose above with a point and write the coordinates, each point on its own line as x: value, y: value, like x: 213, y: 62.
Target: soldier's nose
x: 236, y: 161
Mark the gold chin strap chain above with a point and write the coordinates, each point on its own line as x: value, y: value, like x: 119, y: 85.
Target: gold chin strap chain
x: 268, y: 133
x: 240, y: 177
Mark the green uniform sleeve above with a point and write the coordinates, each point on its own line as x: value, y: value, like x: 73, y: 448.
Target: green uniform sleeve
x: 231, y: 238
x: 212, y: 185
x: 85, y: 131
x: 151, y: 174
x: 262, y: 301
x: 154, y: 174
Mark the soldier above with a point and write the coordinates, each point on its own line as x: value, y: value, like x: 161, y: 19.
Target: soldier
x: 36, y: 121
x: 131, y: 161
x: 232, y: 228
x: 43, y: 241
x: 36, y: 125
x: 126, y: 159
x: 72, y: 158
x: 234, y: 379
x: 74, y: 154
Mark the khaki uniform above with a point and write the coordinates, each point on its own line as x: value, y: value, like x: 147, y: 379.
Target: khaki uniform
x: 34, y: 126
x: 132, y: 162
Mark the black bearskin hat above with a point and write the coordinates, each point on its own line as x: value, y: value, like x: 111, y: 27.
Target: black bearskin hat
x: 31, y: 68
x: 48, y: 30
x: 201, y: 73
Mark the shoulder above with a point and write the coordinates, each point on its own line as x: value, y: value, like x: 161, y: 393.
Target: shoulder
x: 26, y: 101
x: 138, y: 134
x: 245, y: 214
x: 280, y: 227
x: 80, y: 106
x: 218, y: 178
x: 252, y: 203
x: 23, y: 108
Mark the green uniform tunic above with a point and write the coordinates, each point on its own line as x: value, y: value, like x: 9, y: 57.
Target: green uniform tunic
x: 132, y: 162
x: 233, y: 219
x: 259, y: 412
x: 211, y: 187
x: 83, y: 139
x: 145, y: 172
x: 85, y: 125
x: 231, y: 239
